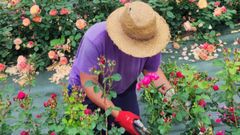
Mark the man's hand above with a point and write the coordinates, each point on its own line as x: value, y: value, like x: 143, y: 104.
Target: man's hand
x: 126, y: 119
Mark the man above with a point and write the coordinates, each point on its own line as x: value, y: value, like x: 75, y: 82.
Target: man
x: 133, y: 36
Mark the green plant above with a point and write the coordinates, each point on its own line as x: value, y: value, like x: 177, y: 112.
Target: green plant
x: 106, y: 70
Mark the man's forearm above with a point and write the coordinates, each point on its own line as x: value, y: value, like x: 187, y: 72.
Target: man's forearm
x: 161, y: 81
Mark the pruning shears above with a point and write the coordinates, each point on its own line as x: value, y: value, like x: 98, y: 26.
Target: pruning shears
x: 142, y: 130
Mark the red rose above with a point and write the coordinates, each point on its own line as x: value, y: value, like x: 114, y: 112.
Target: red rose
x: 64, y: 11
x: 53, y: 133
x: 38, y: 116
x: 232, y: 118
x: 165, y: 100
x: 53, y: 95
x: 24, y: 133
x: 215, y: 88
x: 21, y: 95
x: 2, y: 67
x: 202, y: 129
x: 45, y: 104
x: 179, y: 74
x: 202, y: 103
x: 87, y: 111
x: 174, y: 115
x: 102, y: 60
x: 231, y: 109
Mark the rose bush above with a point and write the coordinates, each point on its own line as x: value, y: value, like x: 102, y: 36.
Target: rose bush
x: 38, y: 27
x: 200, y: 101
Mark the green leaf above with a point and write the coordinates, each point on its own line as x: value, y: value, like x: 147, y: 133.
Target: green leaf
x: 113, y: 94
x: 206, y: 120
x: 232, y: 71
x: 170, y: 14
x: 203, y: 85
x: 179, y: 116
x: 218, y: 63
x: 116, y: 77
x: 59, y: 41
x: 199, y: 91
x: 108, y: 111
x: 236, y: 131
x: 89, y: 83
x: 96, y: 88
x: 78, y: 36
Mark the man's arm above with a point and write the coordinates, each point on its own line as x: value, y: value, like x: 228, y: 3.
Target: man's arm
x: 96, y: 98
x: 162, y: 80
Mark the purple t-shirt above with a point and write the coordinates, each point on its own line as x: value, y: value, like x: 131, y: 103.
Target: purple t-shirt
x: 95, y: 43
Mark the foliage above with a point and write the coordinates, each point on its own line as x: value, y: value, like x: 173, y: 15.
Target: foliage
x: 59, y: 23
x: 197, y: 96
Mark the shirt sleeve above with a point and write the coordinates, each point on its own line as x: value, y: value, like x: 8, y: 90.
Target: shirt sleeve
x: 86, y: 57
x: 152, y: 63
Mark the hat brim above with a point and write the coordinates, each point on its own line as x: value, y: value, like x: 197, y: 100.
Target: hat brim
x: 137, y: 48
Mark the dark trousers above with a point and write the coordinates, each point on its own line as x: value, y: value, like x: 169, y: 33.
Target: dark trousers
x: 127, y: 101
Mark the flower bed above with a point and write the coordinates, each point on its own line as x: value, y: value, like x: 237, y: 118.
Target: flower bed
x: 38, y: 29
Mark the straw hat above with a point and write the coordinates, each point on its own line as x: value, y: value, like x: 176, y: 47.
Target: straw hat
x: 138, y: 30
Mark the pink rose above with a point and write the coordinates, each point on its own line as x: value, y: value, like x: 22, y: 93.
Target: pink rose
x: 21, y: 61
x: 153, y: 76
x: 215, y: 88
x: 202, y: 129
x: 21, y: 66
x: 26, y: 22
x: 30, y: 44
x: 52, y: 55
x: 17, y: 41
x: 202, y: 103
x: 2, y: 67
x: 53, y: 95
x: 24, y: 133
x: 222, y: 132
x: 146, y: 81
x: 45, y: 104
x: 53, y: 133
x: 218, y: 120
x: 224, y: 9
x: 187, y: 26
x: 217, y: 11
x: 123, y: 1
x: 21, y: 95
x: 138, y: 86
x: 53, y: 12
x: 217, y: 3
x: 63, y: 61
x: 87, y: 111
